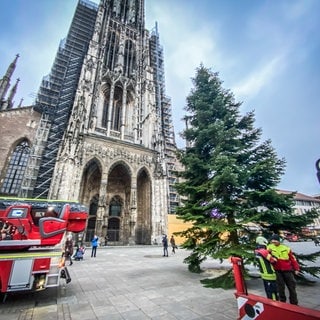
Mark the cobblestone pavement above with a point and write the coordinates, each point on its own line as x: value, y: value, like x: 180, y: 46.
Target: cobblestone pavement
x: 136, y: 283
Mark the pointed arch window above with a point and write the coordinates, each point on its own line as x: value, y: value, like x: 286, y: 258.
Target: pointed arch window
x: 129, y: 58
x: 115, y: 207
x: 93, y: 209
x: 117, y: 109
x: 16, y: 168
x: 111, y: 51
x: 105, y: 112
x: 116, y: 117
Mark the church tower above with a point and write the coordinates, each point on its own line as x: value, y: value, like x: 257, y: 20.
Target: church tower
x: 113, y: 153
x: 5, y: 85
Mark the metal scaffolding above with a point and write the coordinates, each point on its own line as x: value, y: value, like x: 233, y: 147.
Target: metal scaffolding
x: 57, y: 92
x: 164, y: 113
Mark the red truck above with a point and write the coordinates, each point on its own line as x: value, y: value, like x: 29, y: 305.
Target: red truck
x: 30, y: 230
x: 251, y: 306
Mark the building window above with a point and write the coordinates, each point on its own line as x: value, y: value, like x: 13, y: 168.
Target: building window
x: 105, y: 113
x: 111, y: 50
x: 129, y: 58
x: 115, y: 208
x: 116, y: 117
x: 16, y: 168
x: 117, y: 109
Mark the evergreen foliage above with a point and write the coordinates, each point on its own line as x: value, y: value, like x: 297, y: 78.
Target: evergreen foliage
x: 230, y: 179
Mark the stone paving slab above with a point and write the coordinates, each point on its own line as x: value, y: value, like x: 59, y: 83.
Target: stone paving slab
x: 136, y: 283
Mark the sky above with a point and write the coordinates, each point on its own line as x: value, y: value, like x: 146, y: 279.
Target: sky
x: 267, y: 53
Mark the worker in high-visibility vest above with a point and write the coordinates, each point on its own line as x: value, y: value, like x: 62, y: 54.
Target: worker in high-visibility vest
x: 286, y: 267
x: 265, y: 261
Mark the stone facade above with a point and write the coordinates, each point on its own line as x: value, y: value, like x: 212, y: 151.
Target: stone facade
x: 121, y: 174
x: 112, y: 156
x: 16, y: 125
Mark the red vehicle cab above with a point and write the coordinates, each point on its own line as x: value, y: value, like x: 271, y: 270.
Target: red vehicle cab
x: 29, y: 231
x: 28, y: 222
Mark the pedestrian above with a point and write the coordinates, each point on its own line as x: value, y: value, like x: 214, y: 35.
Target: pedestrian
x: 173, y: 244
x: 106, y: 240
x: 6, y: 230
x: 265, y: 261
x: 165, y: 245
x: 94, y: 244
x: 79, y: 252
x: 68, y: 249
x: 286, y: 267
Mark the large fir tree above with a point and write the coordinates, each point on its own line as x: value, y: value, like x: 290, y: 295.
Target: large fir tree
x: 230, y: 178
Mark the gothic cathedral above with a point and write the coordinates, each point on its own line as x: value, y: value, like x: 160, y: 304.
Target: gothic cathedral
x: 115, y: 151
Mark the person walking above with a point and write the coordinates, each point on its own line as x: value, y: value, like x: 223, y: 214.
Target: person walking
x: 286, y: 267
x: 165, y: 245
x: 68, y: 249
x: 265, y: 261
x: 173, y: 244
x: 94, y: 244
x: 106, y: 240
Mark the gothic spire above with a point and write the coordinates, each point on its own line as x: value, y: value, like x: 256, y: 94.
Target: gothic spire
x: 5, y: 81
x: 20, y: 103
x: 12, y: 94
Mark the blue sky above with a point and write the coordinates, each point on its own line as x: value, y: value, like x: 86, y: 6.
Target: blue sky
x: 267, y: 53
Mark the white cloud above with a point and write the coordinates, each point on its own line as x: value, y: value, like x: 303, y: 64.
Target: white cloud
x: 265, y: 49
x: 259, y: 78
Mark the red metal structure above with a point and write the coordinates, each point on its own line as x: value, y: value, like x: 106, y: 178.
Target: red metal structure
x: 29, y: 231
x: 251, y: 306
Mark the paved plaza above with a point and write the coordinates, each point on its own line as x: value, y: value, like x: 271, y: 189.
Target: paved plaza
x: 137, y: 283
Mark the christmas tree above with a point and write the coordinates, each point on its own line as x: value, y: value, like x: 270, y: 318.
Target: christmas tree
x: 230, y: 179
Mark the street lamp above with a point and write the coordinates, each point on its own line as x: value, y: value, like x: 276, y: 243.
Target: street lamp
x: 318, y: 169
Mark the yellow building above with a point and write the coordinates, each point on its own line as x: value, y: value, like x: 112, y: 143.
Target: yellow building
x: 177, y: 225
